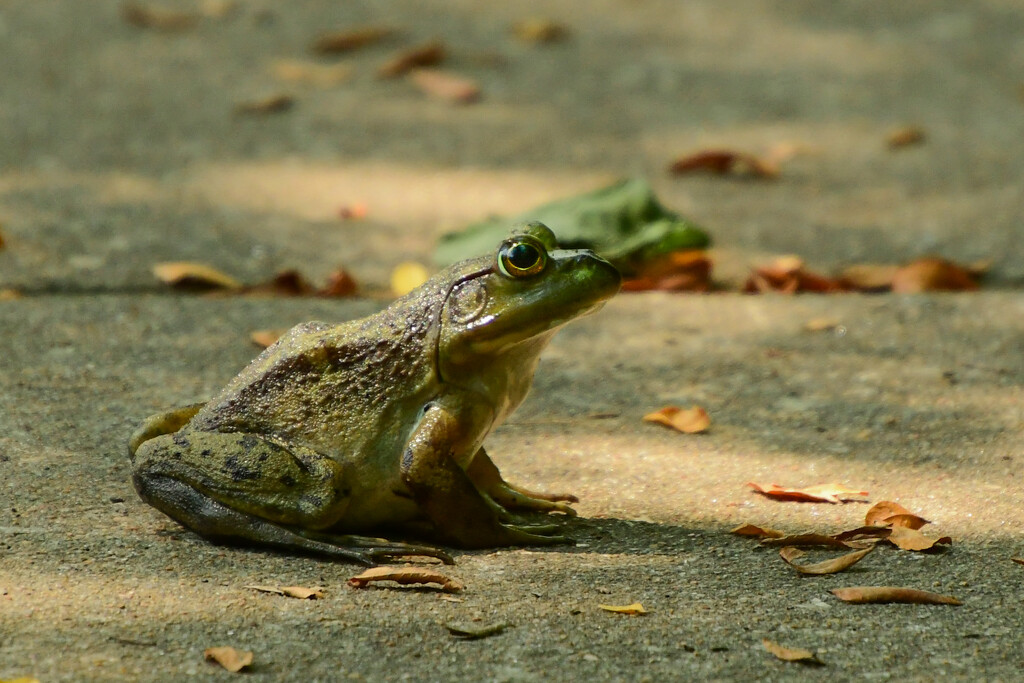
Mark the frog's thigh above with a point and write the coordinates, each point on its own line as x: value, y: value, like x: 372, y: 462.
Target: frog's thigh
x: 485, y: 475
x: 283, y: 484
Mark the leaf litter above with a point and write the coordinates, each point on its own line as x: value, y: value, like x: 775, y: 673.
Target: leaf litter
x: 299, y: 592
x: 822, y: 493
x: 406, y: 576
x: 634, y: 609
x: 891, y: 594
x: 229, y: 658
x: 693, y: 420
x: 791, y: 654
x: 790, y: 554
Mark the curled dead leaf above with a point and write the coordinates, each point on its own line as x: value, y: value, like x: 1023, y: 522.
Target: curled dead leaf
x: 405, y: 575
x: 694, y: 420
x: 312, y: 73
x: 886, y: 594
x: 285, y: 283
x: 791, y: 654
x: 189, y: 275
x: 539, y: 30
x: 820, y: 493
x: 687, y: 270
x: 339, y: 283
x: 868, y: 277
x: 756, y: 531
x: 725, y: 162
x: 229, y: 658
x: 906, y: 538
x: 813, y: 541
x: 876, y: 532
x: 265, y: 338
x: 932, y: 274
x: 634, y: 609
x: 272, y: 104
x: 353, y: 212
x: 350, y: 39
x: 156, y: 17
x: 830, y: 566
x: 787, y: 275
x: 905, y: 136
x: 447, y: 86
x: 300, y: 592
x: 407, y: 277
x: 427, y: 54
x: 467, y: 633
x: 893, y: 514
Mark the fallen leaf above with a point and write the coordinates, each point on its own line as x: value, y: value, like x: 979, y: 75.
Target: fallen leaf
x: 272, y: 104
x: 756, y: 531
x: 790, y: 654
x: 285, y: 283
x: 693, y: 420
x: 830, y: 566
x: 266, y: 589
x: 407, y: 277
x: 636, y: 608
x: 444, y: 85
x: 905, y: 136
x: 1018, y: 560
x: 353, y: 212
x: 911, y: 539
x: 303, y: 593
x: 299, y: 71
x: 476, y: 633
x: 787, y: 275
x: 350, y: 39
x: 821, y: 324
x: 932, y: 274
x: 10, y: 294
x: 884, y: 594
x: 539, y: 30
x: 821, y: 493
x: 265, y: 338
x: 868, y: 277
x: 228, y: 657
x: 864, y: 532
x: 156, y: 17
x: 189, y: 275
x: 687, y: 270
x: 723, y: 162
x: 427, y: 54
x: 812, y: 541
x: 893, y: 514
x: 405, y: 575
x: 339, y: 283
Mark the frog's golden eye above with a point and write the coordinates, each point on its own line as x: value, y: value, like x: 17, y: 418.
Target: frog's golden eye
x: 521, y: 258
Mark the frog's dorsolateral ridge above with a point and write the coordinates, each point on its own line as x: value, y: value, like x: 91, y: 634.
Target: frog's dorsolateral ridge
x: 377, y: 423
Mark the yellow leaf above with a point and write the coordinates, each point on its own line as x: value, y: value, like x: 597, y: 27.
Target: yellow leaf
x: 187, y: 274
x: 690, y: 421
x: 790, y: 654
x: 635, y: 608
x: 407, y: 277
x: 228, y: 657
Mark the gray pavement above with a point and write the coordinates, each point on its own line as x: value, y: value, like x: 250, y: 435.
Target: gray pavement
x: 119, y: 149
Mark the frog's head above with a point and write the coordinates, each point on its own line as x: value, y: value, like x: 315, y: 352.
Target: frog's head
x: 524, y: 292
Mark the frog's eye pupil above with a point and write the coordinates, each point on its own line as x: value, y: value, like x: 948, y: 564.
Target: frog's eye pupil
x: 523, y: 256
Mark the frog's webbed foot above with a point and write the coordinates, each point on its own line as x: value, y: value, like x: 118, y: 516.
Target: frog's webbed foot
x: 377, y: 549
x: 486, y: 477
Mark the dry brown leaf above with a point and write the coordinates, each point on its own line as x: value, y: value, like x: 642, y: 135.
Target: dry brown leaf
x: 893, y: 514
x: 353, y: 212
x: 339, y: 283
x: 756, y: 531
x: 189, y: 275
x: 265, y: 338
x: 906, y: 538
x: 427, y: 54
x: 821, y: 324
x: 790, y: 654
x: 830, y: 566
x: 864, y: 533
x: 464, y: 633
x: 444, y: 85
x: 694, y: 420
x: 723, y: 162
x: 868, y: 277
x: 285, y: 283
x: 156, y: 17
x: 405, y: 575
x: 272, y: 104
x: 813, y: 541
x: 539, y: 30
x: 905, y: 136
x: 300, y: 592
x: 932, y: 274
x: 10, y: 294
x: 787, y: 275
x: 299, y: 71
x: 266, y: 589
x: 635, y: 609
x: 820, y: 493
x: 228, y: 657
x: 407, y: 277
x: 687, y: 270
x: 350, y: 39
x: 883, y: 594
x: 1018, y: 560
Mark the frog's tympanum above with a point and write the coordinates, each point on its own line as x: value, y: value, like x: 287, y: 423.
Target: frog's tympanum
x: 338, y: 430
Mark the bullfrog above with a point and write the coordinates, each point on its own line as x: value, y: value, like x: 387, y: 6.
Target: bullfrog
x: 339, y: 430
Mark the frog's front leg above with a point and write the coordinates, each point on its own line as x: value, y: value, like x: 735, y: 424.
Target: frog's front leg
x: 461, y: 514
x: 246, y: 488
x: 487, y: 478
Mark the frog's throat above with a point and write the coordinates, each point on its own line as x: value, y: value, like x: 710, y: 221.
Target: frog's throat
x: 435, y: 323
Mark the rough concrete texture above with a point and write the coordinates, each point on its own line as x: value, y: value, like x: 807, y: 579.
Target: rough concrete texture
x: 118, y: 149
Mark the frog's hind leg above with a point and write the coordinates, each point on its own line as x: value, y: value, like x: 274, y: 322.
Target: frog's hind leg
x: 242, y: 488
x: 486, y: 477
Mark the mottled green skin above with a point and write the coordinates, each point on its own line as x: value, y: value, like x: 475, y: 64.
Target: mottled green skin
x: 376, y: 422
